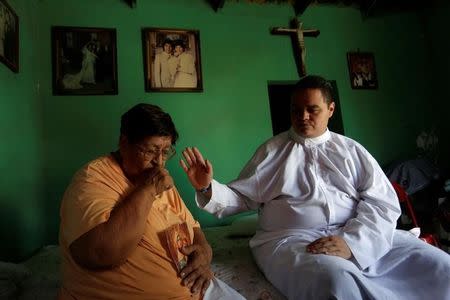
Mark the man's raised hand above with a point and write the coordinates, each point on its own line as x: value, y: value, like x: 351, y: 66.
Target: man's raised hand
x: 198, y: 170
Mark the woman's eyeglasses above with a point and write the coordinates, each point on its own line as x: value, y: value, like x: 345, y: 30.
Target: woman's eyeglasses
x: 149, y: 154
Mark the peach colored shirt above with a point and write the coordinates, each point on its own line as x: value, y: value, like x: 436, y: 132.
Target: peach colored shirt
x: 149, y: 272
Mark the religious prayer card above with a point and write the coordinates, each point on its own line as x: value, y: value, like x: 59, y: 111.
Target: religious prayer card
x: 178, y: 237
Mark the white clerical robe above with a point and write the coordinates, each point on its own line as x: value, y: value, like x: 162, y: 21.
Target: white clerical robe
x: 307, y: 188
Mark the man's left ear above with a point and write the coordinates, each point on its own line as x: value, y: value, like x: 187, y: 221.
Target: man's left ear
x: 331, y: 109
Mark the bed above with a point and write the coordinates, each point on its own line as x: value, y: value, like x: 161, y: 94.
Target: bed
x: 38, y: 277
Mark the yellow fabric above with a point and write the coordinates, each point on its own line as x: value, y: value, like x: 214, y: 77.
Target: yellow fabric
x: 148, y: 272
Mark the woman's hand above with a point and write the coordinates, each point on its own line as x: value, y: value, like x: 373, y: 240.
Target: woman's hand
x: 157, y: 179
x: 197, y: 274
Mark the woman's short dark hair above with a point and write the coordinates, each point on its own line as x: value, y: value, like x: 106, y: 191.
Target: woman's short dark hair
x: 315, y: 82
x: 180, y: 43
x: 145, y: 120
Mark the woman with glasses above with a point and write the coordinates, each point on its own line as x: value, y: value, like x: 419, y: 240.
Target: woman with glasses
x: 115, y: 215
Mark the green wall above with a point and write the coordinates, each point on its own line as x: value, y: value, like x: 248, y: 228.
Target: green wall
x: 437, y: 27
x: 231, y: 117
x: 21, y: 203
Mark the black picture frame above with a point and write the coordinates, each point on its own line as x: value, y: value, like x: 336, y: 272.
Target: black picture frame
x: 84, y: 61
x: 9, y: 37
x: 175, y: 70
x: 362, y: 71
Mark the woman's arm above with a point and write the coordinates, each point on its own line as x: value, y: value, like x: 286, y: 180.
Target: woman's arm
x: 197, y: 274
x: 110, y: 243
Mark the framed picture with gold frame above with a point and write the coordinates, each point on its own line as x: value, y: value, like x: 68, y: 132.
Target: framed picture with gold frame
x: 172, y: 60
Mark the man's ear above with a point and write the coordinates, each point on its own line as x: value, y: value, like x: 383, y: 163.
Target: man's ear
x: 331, y: 107
x: 123, y: 141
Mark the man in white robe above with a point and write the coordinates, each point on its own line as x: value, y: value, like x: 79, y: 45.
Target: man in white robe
x: 327, y: 213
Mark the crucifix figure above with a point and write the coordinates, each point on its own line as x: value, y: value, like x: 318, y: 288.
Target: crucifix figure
x: 298, y: 42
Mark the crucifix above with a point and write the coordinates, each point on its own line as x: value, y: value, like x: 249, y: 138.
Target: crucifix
x: 298, y: 42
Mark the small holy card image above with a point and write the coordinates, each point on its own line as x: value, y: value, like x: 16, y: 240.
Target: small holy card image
x: 178, y: 237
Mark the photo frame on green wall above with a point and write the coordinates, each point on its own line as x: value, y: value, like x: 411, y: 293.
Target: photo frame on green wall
x: 361, y: 67
x: 9, y: 37
x: 84, y: 61
x: 172, y: 60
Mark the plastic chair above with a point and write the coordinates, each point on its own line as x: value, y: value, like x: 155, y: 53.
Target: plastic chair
x: 404, y: 199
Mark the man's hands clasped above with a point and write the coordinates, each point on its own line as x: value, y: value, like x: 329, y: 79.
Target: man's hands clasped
x: 330, y: 245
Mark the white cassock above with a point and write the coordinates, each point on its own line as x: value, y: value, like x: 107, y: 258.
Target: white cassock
x: 307, y: 188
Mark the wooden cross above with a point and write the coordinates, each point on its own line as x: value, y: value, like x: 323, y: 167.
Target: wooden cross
x: 298, y: 42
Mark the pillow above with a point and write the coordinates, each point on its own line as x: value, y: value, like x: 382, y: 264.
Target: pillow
x: 14, y: 272
x: 11, y: 275
x: 8, y: 290
x: 245, y: 226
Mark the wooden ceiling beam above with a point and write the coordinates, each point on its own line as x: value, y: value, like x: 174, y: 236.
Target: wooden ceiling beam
x: 216, y: 4
x: 300, y: 6
x: 131, y: 3
x: 367, y: 7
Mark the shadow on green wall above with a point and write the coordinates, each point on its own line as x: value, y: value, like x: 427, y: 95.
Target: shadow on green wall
x: 19, y: 237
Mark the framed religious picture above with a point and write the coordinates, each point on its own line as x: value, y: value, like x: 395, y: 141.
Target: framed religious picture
x: 172, y: 60
x: 361, y: 67
x: 84, y: 61
x: 9, y: 37
x: 177, y: 237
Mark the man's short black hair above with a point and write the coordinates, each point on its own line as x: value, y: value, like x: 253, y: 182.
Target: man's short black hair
x: 315, y: 82
x: 145, y: 120
x: 167, y: 41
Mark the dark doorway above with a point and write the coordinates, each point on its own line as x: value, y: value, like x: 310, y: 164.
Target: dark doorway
x: 279, y: 98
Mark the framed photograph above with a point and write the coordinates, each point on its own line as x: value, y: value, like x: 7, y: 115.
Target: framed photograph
x: 84, y: 61
x: 172, y: 60
x: 9, y: 37
x: 361, y: 66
